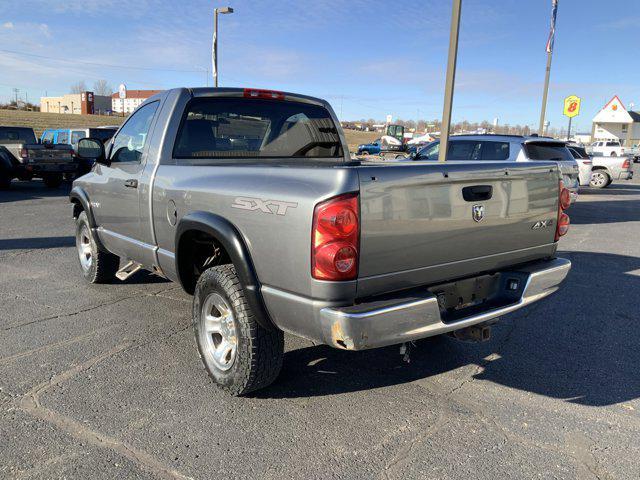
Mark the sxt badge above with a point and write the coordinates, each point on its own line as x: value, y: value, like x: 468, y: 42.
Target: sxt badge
x: 266, y: 206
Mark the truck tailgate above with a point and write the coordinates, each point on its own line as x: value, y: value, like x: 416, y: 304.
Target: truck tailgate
x: 46, y: 154
x: 418, y: 228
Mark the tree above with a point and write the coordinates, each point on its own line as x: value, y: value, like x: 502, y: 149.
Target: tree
x: 102, y: 87
x: 79, y: 87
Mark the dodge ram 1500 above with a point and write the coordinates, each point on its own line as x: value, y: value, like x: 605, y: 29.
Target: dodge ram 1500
x: 250, y: 200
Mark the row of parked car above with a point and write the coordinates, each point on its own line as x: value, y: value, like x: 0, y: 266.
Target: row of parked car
x: 52, y: 157
x: 578, y: 167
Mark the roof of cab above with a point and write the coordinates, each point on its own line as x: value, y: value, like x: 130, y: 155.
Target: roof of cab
x: 244, y: 92
x: 507, y: 138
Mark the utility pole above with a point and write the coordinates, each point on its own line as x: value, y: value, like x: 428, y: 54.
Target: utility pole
x: 214, y: 53
x: 549, y: 48
x: 16, y: 91
x: 451, y: 79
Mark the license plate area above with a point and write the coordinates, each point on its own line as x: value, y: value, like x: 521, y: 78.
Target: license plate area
x: 466, y: 297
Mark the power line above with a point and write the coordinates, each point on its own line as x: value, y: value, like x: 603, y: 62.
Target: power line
x: 129, y: 67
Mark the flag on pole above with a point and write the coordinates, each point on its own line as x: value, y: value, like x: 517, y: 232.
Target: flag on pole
x: 552, y: 32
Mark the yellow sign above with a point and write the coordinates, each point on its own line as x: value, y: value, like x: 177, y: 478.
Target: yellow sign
x: 572, y: 106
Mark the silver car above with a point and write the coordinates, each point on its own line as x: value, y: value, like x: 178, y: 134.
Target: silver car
x: 509, y: 148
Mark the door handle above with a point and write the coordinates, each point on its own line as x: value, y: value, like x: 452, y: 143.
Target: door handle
x: 477, y: 193
x: 131, y: 183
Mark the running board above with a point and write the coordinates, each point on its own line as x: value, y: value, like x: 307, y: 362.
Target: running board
x: 128, y: 270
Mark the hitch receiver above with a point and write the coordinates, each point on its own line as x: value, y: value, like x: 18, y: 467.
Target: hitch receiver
x: 474, y: 334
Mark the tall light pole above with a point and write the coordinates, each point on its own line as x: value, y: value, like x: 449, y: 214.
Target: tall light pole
x: 451, y: 80
x: 214, y: 53
x: 549, y: 49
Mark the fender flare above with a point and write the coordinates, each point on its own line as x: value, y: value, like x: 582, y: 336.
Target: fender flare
x: 78, y: 195
x: 231, y: 239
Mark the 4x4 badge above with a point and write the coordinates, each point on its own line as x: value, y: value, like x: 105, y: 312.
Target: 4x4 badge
x: 477, y: 212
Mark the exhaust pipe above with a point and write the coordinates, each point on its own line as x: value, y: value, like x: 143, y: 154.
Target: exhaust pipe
x: 474, y: 334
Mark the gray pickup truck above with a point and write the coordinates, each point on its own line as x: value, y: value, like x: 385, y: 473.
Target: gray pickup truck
x: 250, y: 200
x: 23, y: 157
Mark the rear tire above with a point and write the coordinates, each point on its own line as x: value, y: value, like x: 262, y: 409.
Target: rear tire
x: 240, y: 355
x: 600, y: 179
x: 52, y: 180
x: 614, y: 154
x: 97, y: 265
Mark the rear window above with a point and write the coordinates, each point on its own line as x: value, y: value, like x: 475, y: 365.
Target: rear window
x: 547, y: 151
x: 236, y: 128
x: 17, y: 135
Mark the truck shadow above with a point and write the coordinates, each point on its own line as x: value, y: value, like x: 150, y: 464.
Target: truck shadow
x: 33, y: 190
x: 613, y: 211
x: 579, y: 345
x: 614, y: 189
x: 36, y: 243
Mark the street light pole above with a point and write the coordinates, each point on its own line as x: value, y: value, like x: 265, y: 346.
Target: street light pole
x: 214, y: 52
x: 549, y: 49
x: 451, y: 80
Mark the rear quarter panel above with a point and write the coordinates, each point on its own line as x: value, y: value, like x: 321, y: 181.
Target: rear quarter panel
x: 279, y: 242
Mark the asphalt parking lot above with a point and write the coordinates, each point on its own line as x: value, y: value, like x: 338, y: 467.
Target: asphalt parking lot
x: 105, y: 381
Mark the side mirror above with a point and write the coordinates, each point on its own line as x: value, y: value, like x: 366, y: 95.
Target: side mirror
x: 412, y: 155
x: 91, y: 149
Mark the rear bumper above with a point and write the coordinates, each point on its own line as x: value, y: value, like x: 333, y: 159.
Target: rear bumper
x: 49, y: 167
x: 393, y: 321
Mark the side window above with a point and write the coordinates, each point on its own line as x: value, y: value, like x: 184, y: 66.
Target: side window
x: 495, y: 150
x: 129, y: 143
x: 76, y: 135
x: 430, y: 151
x: 464, y: 150
x: 63, y: 137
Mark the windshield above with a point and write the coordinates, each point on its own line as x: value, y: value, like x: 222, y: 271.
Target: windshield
x: 248, y: 128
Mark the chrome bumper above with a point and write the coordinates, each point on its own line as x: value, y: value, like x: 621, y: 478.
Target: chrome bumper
x: 382, y: 323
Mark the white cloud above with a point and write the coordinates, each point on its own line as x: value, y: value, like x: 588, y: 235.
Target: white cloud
x: 7, y: 25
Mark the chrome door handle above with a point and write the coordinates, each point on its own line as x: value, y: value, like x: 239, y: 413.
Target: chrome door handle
x: 131, y: 183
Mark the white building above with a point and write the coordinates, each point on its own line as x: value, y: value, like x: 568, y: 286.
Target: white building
x: 132, y: 100
x: 615, y: 122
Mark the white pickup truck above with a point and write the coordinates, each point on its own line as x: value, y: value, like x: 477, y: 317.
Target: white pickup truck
x: 609, y: 148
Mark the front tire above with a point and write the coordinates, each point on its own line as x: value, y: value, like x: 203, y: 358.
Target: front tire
x: 240, y: 355
x: 600, y: 179
x: 97, y: 265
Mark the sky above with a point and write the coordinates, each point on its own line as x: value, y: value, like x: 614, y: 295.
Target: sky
x: 368, y: 58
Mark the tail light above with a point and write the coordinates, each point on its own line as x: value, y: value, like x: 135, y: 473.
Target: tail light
x: 23, y: 153
x: 587, y: 162
x: 564, y: 201
x: 335, y: 238
x: 264, y: 94
x: 626, y: 163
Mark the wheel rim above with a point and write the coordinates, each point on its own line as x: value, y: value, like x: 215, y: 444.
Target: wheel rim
x: 218, y: 331
x: 85, y: 252
x: 598, y: 179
